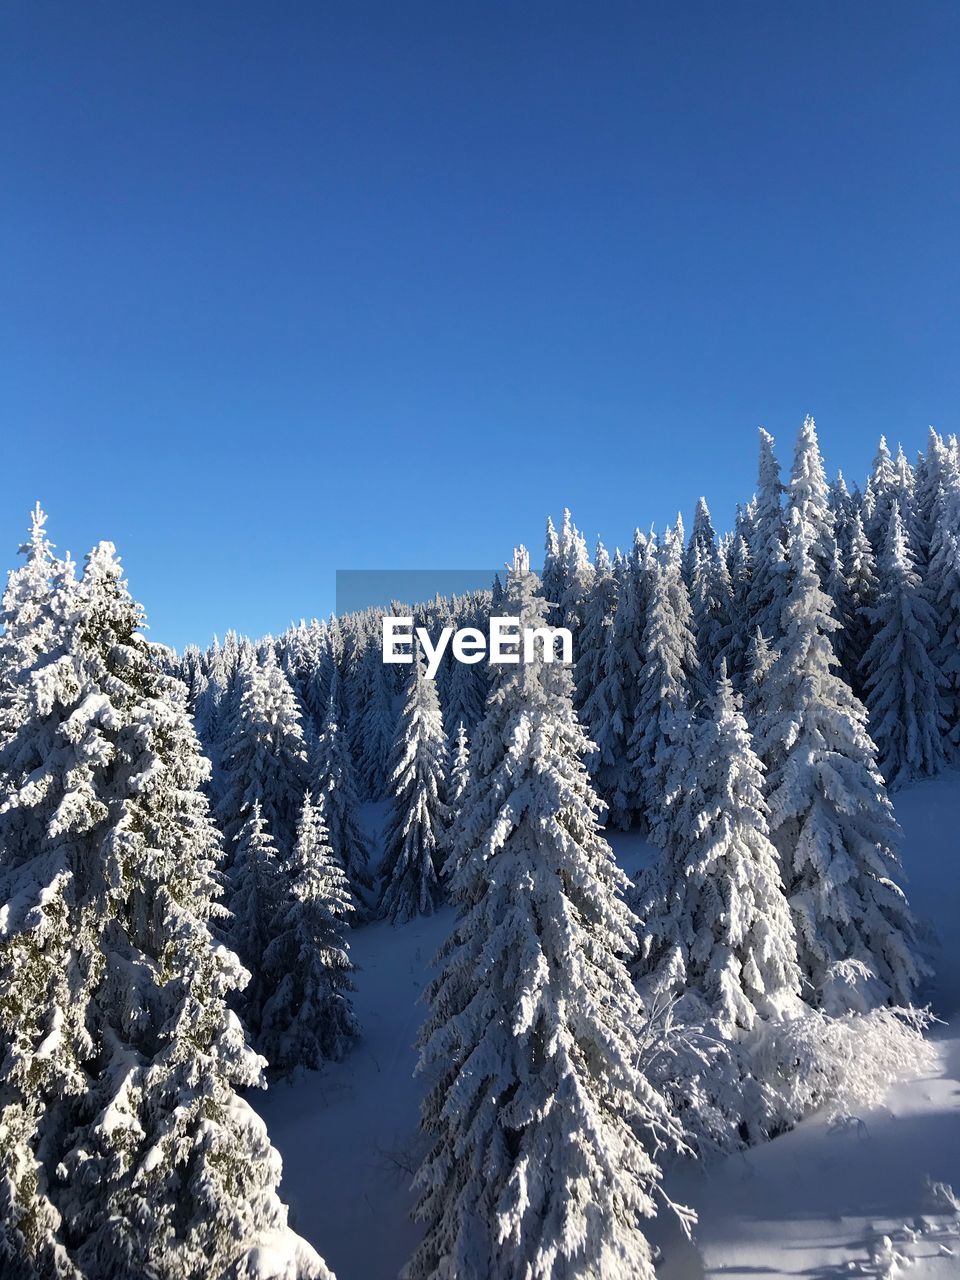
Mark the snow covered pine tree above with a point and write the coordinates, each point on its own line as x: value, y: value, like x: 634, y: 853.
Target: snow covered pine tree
x: 413, y: 847
x: 307, y: 1017
x: 125, y: 1150
x: 545, y: 1135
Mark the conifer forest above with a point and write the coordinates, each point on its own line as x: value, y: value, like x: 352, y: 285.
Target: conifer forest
x: 642, y: 921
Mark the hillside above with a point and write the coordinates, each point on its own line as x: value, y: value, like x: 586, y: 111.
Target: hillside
x: 816, y: 1202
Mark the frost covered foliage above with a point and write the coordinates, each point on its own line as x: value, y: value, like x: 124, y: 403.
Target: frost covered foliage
x: 714, y: 918
x: 841, y: 1061
x: 373, y: 721
x: 257, y: 896
x: 125, y: 1150
x: 307, y: 1017
x: 665, y: 694
x: 413, y: 852
x: 767, y: 587
x: 265, y: 755
x: 944, y: 583
x: 544, y: 1136
x: 339, y: 803
x: 29, y: 623
x: 903, y: 685
x: 830, y: 817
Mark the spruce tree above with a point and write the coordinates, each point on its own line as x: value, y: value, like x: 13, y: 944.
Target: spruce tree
x: 339, y: 804
x: 665, y: 699
x: 544, y: 1134
x: 618, y: 781
x: 809, y: 495
x: 903, y: 686
x: 830, y: 817
x: 459, y: 770
x: 30, y: 624
x: 879, y: 497
x: 768, y: 565
x: 413, y: 845
x: 944, y: 586
x: 862, y: 590
x: 376, y: 725
x: 125, y: 1149
x: 307, y: 1018
x: 599, y: 693
x: 714, y: 916
x: 257, y: 897
x: 265, y: 756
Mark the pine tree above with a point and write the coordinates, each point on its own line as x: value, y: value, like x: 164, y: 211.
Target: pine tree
x: 880, y: 495
x: 30, y: 626
x: 930, y: 477
x: 830, y: 817
x: 466, y: 691
x: 711, y: 607
x: 459, y: 770
x: 904, y: 494
x: 740, y: 573
x: 665, y: 700
x: 339, y: 804
x: 618, y: 782
x: 903, y: 685
x: 125, y: 1150
x: 768, y: 582
x: 265, y: 757
x: 376, y: 725
x: 598, y: 698
x: 257, y: 898
x: 862, y: 593
x: 703, y: 541
x: 553, y: 573
x: 944, y: 586
x: 413, y: 854
x: 544, y: 1134
x: 809, y: 495
x: 714, y: 916
x: 308, y: 1018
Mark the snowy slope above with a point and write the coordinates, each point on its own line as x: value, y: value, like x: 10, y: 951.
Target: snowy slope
x: 348, y: 1135
x: 816, y: 1202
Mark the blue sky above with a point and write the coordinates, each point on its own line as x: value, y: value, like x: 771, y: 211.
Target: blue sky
x: 287, y: 288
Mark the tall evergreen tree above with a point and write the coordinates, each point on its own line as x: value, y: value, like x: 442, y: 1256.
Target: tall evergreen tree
x: 879, y: 496
x: 903, y: 686
x: 768, y: 582
x: 30, y: 624
x: 669, y: 669
x: 703, y: 541
x: 308, y: 1018
x: 544, y: 1134
x: 808, y: 494
x: 599, y: 694
x: 257, y: 895
x: 339, y: 804
x: 714, y: 916
x: 943, y: 581
x: 862, y: 591
x: 265, y: 757
x: 413, y: 852
x: 125, y: 1150
x: 830, y: 817
x: 711, y: 608
x: 376, y: 725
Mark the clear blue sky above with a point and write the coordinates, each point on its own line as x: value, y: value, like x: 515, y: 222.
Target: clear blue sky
x: 286, y: 288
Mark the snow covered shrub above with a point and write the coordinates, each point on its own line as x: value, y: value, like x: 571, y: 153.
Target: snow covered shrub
x: 839, y: 1062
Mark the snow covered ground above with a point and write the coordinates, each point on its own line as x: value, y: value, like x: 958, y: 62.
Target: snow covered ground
x: 832, y: 1198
